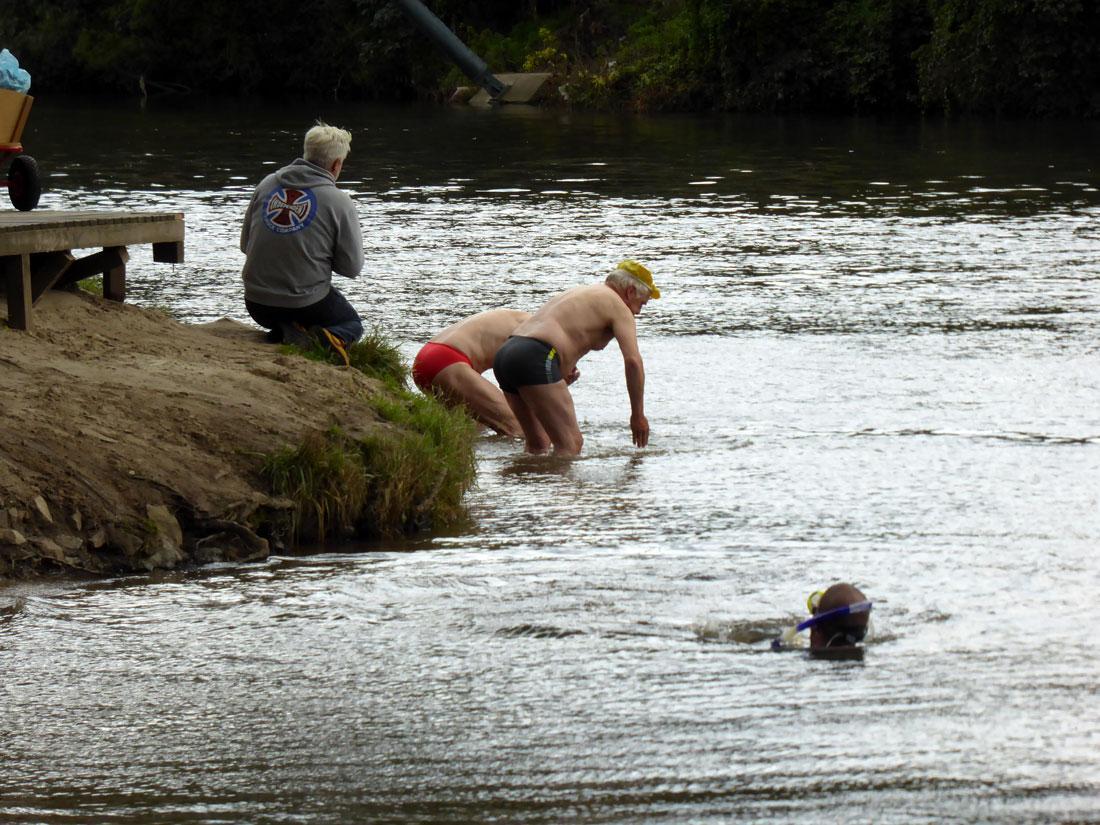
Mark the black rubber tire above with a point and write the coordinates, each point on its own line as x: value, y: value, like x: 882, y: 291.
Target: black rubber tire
x: 24, y: 183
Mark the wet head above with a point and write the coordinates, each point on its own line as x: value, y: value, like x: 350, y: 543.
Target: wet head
x: 839, y: 621
x: 842, y: 624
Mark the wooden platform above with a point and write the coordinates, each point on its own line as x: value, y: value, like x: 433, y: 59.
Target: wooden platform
x: 36, y: 251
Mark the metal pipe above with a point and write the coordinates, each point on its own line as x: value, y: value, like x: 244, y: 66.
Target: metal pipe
x: 471, y: 65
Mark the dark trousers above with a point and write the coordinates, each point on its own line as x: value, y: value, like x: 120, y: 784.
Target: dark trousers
x: 333, y: 312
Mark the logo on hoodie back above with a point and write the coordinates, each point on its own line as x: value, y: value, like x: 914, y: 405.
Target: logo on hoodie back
x: 289, y: 210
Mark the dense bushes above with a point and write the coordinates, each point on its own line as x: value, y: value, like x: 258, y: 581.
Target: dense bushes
x: 1030, y: 57
x: 1033, y: 57
x: 846, y: 55
x: 239, y: 48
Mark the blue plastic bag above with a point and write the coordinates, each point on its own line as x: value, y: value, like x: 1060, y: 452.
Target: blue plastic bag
x: 11, y: 76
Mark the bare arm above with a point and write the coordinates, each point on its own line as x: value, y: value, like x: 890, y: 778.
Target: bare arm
x: 626, y: 334
x: 635, y: 387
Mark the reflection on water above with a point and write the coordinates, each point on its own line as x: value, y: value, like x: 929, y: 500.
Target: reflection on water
x: 875, y: 359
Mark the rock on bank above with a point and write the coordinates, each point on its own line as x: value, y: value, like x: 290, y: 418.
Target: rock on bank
x: 130, y: 441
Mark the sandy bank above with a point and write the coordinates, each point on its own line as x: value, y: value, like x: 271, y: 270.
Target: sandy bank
x: 129, y: 441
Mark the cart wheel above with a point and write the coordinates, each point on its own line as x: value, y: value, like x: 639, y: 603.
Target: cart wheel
x: 24, y: 183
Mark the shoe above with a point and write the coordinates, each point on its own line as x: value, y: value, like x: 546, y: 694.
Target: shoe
x: 296, y: 335
x: 331, y: 342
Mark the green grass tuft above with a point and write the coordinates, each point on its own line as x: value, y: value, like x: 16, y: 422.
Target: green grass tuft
x: 326, y: 479
x: 375, y: 356
x: 411, y: 474
x: 425, y: 468
x: 94, y: 285
x: 372, y: 355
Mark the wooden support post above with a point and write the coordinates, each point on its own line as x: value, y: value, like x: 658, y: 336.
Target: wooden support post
x: 17, y: 290
x: 110, y: 263
x: 168, y: 252
x: 96, y: 264
x: 114, y: 279
x: 47, y: 268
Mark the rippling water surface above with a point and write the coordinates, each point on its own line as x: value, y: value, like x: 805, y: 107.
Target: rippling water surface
x: 875, y: 359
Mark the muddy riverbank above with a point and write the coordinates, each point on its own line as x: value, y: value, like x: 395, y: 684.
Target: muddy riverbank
x: 133, y: 442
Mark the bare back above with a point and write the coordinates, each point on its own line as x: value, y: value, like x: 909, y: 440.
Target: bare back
x: 480, y: 336
x: 580, y: 320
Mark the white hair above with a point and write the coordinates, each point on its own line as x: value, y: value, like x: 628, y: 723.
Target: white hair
x: 324, y: 144
x: 622, y: 279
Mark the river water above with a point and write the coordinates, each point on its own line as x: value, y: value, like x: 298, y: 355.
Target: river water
x: 875, y: 359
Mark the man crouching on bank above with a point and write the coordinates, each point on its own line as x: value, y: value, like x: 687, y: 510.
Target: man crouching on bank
x: 537, y: 363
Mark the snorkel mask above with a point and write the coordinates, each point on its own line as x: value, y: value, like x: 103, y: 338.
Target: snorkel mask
x: 790, y: 634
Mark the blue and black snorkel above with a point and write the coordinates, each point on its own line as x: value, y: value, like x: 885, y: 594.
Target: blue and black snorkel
x: 844, y: 637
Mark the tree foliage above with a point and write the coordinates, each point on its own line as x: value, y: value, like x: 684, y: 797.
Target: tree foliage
x: 1033, y: 57
x: 1027, y: 57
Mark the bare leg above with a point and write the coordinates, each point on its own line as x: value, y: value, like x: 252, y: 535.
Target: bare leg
x: 552, y: 406
x: 537, y: 440
x: 459, y: 384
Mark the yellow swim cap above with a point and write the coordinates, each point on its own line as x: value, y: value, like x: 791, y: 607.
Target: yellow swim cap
x: 642, y: 274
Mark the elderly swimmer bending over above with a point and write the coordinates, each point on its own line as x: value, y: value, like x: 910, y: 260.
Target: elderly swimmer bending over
x: 451, y: 363
x: 537, y: 363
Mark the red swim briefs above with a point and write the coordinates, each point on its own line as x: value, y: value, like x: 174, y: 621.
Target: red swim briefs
x: 431, y: 359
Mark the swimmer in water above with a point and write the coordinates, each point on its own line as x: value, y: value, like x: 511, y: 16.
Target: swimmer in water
x: 839, y: 621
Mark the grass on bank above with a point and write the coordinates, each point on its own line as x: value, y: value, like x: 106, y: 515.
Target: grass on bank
x: 92, y: 285
x: 373, y: 355
x: 411, y: 474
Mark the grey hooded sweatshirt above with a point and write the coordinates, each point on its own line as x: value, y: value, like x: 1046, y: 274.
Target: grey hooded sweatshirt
x: 298, y: 230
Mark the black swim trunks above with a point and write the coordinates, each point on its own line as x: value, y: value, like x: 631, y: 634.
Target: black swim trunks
x: 522, y: 361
